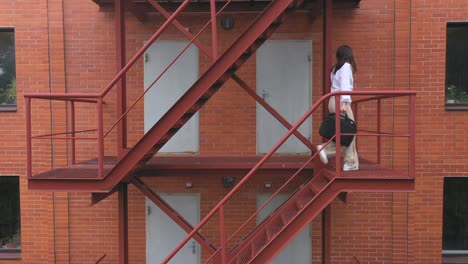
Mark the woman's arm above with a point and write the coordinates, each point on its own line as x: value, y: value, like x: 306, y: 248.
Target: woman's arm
x: 346, y: 84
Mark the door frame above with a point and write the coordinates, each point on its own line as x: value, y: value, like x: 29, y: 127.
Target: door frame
x: 163, y: 195
x: 195, y: 119
x: 309, y: 91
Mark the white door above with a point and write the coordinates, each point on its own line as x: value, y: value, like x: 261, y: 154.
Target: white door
x: 169, y: 88
x: 284, y: 82
x: 299, y: 250
x: 163, y: 235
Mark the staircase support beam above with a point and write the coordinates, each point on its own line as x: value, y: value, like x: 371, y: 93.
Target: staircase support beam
x: 71, y: 185
x: 172, y: 213
x: 180, y: 27
x: 123, y: 223
x: 97, y: 197
x: 122, y: 83
x: 373, y: 185
x: 272, y: 111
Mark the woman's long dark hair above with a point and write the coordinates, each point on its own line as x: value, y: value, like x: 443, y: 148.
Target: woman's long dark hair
x: 344, y: 54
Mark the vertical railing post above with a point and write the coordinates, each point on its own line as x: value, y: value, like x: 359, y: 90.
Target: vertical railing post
x: 100, y: 138
x: 338, y: 134
x: 122, y: 83
x: 223, y: 235
x: 379, y: 131
x: 356, y: 117
x: 27, y: 101
x: 73, y: 134
x: 412, y: 128
x: 214, y: 30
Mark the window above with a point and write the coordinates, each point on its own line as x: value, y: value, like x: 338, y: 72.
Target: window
x: 10, y: 228
x: 7, y: 68
x: 456, y: 68
x: 455, y: 225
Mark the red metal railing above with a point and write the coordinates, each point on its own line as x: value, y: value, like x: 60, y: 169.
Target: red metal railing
x: 98, y: 98
x: 370, y: 96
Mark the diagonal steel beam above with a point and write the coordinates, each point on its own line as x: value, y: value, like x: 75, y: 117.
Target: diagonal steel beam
x: 272, y: 111
x: 97, y: 197
x: 172, y: 213
x: 180, y: 27
x: 138, y: 11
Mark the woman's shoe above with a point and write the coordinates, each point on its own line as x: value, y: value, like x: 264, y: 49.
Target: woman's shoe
x: 347, y: 167
x: 322, y: 155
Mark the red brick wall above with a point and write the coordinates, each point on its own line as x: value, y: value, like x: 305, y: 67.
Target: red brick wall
x: 444, y: 130
x: 398, y: 44
x: 29, y: 22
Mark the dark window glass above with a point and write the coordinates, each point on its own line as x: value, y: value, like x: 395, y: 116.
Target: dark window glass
x: 455, y: 227
x: 7, y: 67
x: 456, y: 68
x: 10, y: 228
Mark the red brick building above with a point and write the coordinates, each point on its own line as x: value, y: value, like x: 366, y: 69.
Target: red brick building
x: 63, y: 56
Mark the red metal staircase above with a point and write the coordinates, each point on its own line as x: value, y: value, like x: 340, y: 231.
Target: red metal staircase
x: 286, y: 222
x: 309, y: 200
x: 101, y: 176
x: 105, y: 178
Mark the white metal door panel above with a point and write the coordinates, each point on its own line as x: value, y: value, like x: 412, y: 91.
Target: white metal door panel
x: 283, y: 81
x: 299, y: 250
x: 163, y: 235
x: 169, y: 88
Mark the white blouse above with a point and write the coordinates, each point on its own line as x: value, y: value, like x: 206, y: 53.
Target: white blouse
x: 342, y: 80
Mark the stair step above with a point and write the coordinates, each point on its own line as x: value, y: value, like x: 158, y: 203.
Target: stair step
x: 255, y: 45
x: 242, y: 259
x: 319, y: 182
x: 210, y: 92
x: 247, y: 53
x: 313, y: 188
x: 183, y: 120
x: 304, y: 198
x: 271, y: 231
x: 298, y: 204
x: 231, y: 70
x: 283, y: 17
x: 242, y: 59
x: 257, y: 246
x: 148, y: 155
x: 266, y: 35
x: 288, y: 215
x: 226, y: 76
x: 197, y: 106
x: 329, y: 175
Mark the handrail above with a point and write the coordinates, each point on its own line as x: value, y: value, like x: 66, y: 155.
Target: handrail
x: 65, y: 133
x: 137, y: 56
x: 377, y: 94
x: 70, y: 96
